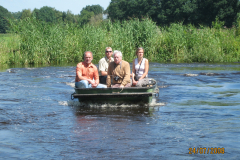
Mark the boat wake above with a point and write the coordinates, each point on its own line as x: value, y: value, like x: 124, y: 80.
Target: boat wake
x: 110, y: 105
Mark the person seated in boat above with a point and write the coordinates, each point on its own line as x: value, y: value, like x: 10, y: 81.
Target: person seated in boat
x: 85, y: 72
x: 140, y: 68
x: 118, y: 72
x: 103, y: 65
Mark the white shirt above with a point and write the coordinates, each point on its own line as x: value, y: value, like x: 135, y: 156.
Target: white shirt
x: 103, y: 64
x: 139, y: 71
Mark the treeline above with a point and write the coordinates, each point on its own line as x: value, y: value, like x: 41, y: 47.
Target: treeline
x: 163, y: 12
x: 89, y: 14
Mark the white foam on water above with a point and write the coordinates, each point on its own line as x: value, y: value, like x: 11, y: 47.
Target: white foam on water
x: 70, y: 84
x: 69, y: 103
x: 190, y: 75
x: 108, y: 105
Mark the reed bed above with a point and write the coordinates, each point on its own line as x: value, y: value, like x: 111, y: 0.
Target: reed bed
x: 39, y: 42
x: 9, y: 48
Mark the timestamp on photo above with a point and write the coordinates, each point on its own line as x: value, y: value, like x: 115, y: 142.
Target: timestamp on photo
x: 206, y: 150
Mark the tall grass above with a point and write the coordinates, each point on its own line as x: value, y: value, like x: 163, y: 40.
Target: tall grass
x: 188, y: 44
x: 39, y: 42
x: 9, y: 48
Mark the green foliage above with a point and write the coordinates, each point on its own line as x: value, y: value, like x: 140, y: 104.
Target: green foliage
x: 189, y: 44
x: 69, y: 17
x: 41, y: 42
x: 26, y: 13
x: 9, y: 48
x: 238, y: 28
x: 35, y: 13
x: 217, y: 24
x: 96, y: 9
x: 226, y: 10
x: 165, y: 12
x: 92, y: 14
x: 96, y: 20
x: 89, y: 14
x: 4, y: 16
x: 124, y: 9
x: 46, y: 14
x: 45, y: 43
x: 17, y: 15
x: 85, y: 17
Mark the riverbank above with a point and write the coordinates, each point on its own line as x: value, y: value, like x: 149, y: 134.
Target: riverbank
x: 41, y: 43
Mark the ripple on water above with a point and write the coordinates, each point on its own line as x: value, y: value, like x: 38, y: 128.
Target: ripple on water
x: 38, y: 119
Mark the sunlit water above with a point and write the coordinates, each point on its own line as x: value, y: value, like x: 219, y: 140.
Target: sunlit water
x: 198, y: 106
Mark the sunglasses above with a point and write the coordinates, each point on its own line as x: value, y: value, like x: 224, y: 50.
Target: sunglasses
x: 108, y: 51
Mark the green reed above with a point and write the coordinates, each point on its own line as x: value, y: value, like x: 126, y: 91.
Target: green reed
x: 39, y: 42
x: 189, y: 44
x: 9, y: 48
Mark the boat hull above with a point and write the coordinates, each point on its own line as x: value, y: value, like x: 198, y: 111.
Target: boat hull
x: 116, y: 95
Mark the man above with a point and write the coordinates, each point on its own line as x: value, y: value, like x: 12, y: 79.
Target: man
x: 85, y: 72
x: 119, y: 72
x: 103, y: 65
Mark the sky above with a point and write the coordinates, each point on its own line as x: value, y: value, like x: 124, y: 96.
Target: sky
x: 75, y: 6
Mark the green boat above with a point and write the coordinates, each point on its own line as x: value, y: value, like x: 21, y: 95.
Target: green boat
x: 118, y: 95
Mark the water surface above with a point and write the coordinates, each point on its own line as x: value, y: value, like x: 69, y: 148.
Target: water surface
x: 198, y: 106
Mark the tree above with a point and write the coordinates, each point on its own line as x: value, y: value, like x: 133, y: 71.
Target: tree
x: 90, y: 11
x: 96, y: 19
x: 225, y: 10
x: 17, y: 15
x: 177, y: 11
x: 58, y: 15
x: 96, y: 9
x: 165, y: 12
x: 35, y: 13
x: 125, y: 9
x: 46, y: 14
x: 85, y: 16
x: 4, y: 16
x: 69, y: 17
x: 26, y: 13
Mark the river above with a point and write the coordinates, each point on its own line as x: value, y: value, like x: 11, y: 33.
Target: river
x: 198, y: 110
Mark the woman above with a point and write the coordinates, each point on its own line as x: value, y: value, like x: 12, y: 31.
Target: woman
x: 140, y: 69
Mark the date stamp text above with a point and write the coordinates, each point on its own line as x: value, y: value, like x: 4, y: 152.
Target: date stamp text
x: 206, y: 150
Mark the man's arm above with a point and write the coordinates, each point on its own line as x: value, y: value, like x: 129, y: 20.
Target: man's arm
x: 126, y: 78
x: 96, y: 78
x: 80, y: 77
x: 109, y: 73
x: 133, y: 73
x: 79, y: 72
